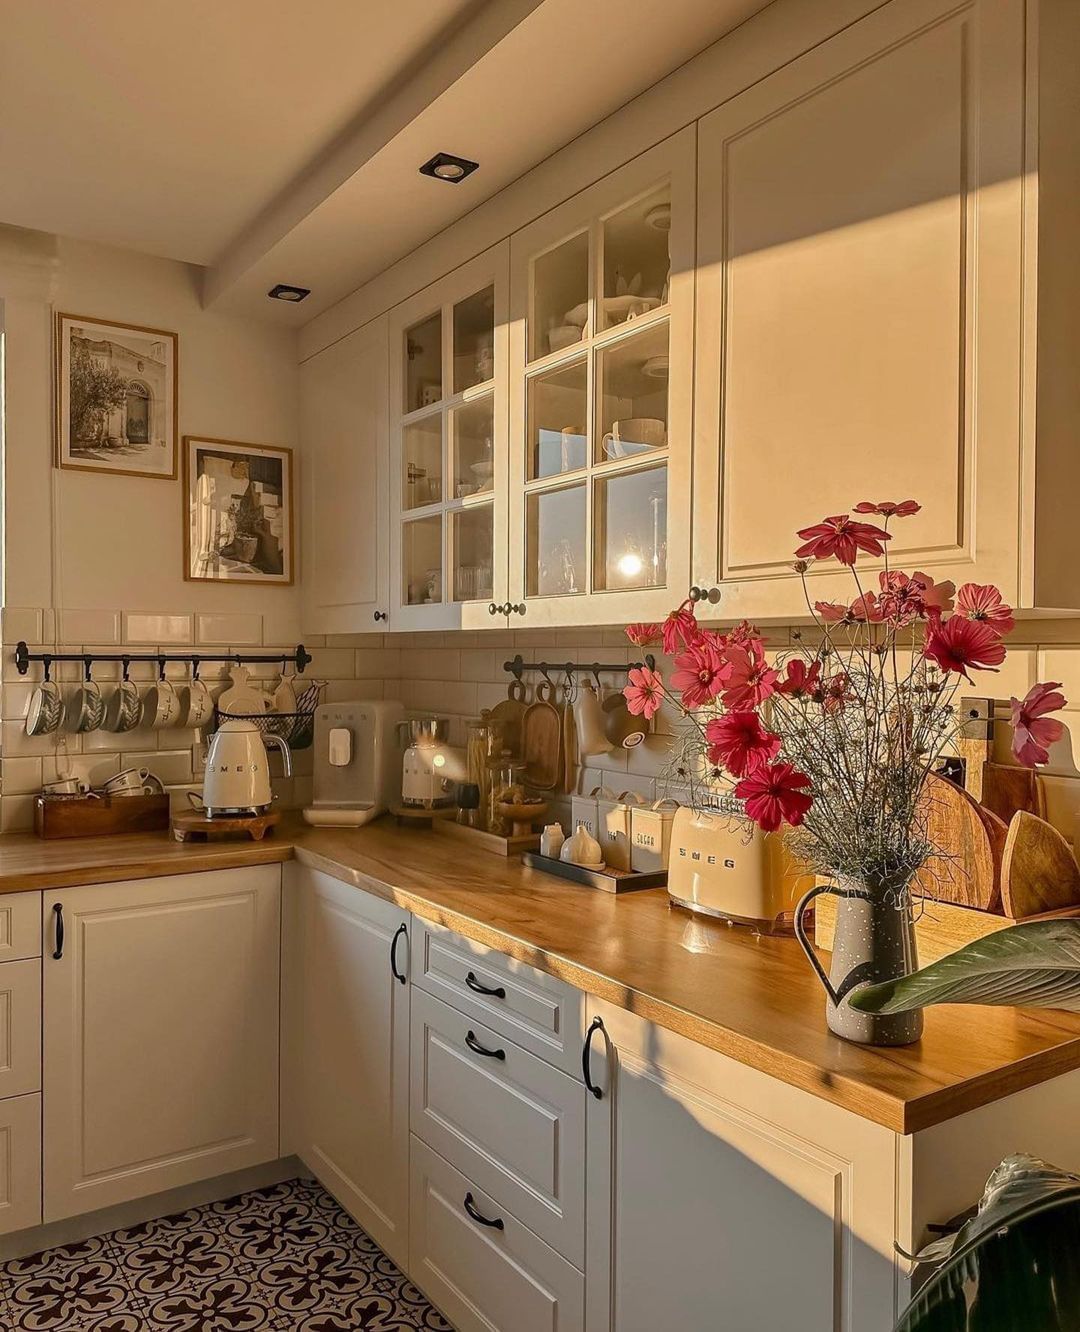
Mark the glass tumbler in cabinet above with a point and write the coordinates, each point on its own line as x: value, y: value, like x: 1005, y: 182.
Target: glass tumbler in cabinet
x: 556, y: 558
x: 630, y: 530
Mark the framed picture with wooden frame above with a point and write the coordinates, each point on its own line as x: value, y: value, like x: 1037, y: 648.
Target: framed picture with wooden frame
x: 238, y: 512
x: 116, y: 397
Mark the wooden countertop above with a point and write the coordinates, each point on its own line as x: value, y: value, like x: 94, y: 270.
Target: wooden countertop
x: 751, y: 998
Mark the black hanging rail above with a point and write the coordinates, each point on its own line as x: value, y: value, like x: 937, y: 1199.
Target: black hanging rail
x: 300, y: 658
x: 519, y: 666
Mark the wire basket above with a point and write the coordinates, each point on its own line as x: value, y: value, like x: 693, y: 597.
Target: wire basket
x: 297, y: 729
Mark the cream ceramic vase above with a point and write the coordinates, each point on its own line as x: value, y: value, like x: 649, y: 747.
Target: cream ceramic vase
x: 874, y: 942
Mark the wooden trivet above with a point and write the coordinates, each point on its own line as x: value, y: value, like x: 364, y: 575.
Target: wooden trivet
x: 197, y: 827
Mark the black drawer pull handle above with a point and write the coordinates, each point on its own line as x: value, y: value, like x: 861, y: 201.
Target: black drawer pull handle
x: 477, y: 1048
x: 398, y: 975
x: 58, y: 915
x: 597, y: 1024
x: 493, y: 991
x: 493, y: 1223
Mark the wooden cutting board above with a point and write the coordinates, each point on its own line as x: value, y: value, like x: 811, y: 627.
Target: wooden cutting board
x: 541, y: 740
x: 971, y: 841
x: 1006, y: 789
x: 509, y: 715
x: 1038, y: 871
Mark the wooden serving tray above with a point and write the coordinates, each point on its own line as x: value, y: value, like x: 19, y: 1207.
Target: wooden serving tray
x: 607, y: 880
x: 99, y: 816
x: 487, y: 841
x: 195, y: 827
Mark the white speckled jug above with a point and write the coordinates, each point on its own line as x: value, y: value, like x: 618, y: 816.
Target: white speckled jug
x: 874, y: 941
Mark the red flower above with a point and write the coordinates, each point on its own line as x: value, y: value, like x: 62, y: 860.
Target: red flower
x: 887, y: 509
x: 1033, y: 731
x: 982, y: 602
x: 843, y: 537
x: 836, y: 692
x: 750, y: 680
x: 644, y: 693
x: 833, y: 612
x: 643, y: 635
x: 680, y: 629
x: 774, y: 794
x: 905, y: 598
x: 741, y: 636
x: 699, y: 675
x: 957, y: 643
x: 739, y: 742
x: 865, y: 609
x: 800, y: 682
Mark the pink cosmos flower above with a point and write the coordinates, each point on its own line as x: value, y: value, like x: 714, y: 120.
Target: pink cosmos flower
x: 643, y: 635
x: 865, y: 609
x: 739, y: 742
x: 800, y: 681
x: 836, y: 692
x: 774, y: 794
x: 957, y: 643
x: 843, y: 538
x: 982, y: 602
x: 741, y: 636
x: 907, y: 598
x: 1033, y: 731
x: 680, y: 629
x: 750, y: 680
x: 937, y: 598
x: 645, y: 692
x: 887, y: 509
x: 699, y: 675
x: 833, y: 612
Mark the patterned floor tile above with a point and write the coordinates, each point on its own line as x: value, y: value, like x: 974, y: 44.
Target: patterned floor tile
x: 280, y: 1259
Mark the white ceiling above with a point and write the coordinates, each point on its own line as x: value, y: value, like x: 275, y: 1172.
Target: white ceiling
x: 273, y: 141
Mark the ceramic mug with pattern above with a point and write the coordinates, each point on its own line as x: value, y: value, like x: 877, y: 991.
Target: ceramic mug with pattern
x: 46, y: 710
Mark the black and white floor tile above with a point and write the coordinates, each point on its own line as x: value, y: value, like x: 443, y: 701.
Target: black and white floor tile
x: 282, y: 1259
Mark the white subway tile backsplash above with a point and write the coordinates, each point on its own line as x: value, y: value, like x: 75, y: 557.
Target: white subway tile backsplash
x: 157, y: 629
x: 21, y: 625
x: 16, y: 813
x: 18, y: 776
x: 89, y: 626
x: 241, y: 630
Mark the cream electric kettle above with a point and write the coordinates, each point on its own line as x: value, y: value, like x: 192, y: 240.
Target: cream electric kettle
x: 237, y: 780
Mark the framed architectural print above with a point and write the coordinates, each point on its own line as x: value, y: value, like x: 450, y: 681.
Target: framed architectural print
x: 116, y: 407
x: 238, y: 512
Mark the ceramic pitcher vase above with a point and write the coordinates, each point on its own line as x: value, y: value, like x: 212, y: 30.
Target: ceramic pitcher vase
x: 875, y: 941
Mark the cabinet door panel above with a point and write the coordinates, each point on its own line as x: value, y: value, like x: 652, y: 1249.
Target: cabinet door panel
x: 20, y: 926
x: 161, y: 1035
x: 343, y: 390
x: 859, y: 301
x: 484, y: 1278
x: 20, y: 1163
x: 20, y: 1027
x: 720, y: 1177
x: 347, y: 1049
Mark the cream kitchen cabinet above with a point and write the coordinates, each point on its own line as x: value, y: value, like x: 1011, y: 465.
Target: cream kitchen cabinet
x: 448, y: 457
x: 346, y: 1048
x: 20, y: 1163
x: 866, y: 306
x: 719, y: 1197
x: 600, y: 397
x: 345, y: 572
x: 160, y: 1001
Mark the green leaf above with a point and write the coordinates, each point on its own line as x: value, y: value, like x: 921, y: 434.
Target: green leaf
x: 1036, y: 965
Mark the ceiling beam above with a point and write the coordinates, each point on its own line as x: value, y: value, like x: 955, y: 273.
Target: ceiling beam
x: 442, y: 63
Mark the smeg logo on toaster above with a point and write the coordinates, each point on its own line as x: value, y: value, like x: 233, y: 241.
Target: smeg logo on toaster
x: 727, y: 862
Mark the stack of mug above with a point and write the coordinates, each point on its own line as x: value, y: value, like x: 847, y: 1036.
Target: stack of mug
x: 130, y: 782
x: 86, y: 708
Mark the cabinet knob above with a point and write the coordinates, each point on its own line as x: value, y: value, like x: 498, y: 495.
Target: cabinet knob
x: 516, y: 610
x: 493, y: 609
x: 494, y: 1222
x: 710, y: 594
x: 381, y: 615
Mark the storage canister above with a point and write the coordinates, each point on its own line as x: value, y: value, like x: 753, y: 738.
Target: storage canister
x: 613, y: 819
x: 650, y: 836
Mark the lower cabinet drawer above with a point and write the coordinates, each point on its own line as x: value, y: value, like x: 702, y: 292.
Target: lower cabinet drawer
x: 20, y: 1163
x: 511, y: 1122
x: 20, y: 926
x: 20, y: 1027
x: 483, y: 1268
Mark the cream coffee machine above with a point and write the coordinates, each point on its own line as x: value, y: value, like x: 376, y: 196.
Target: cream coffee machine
x: 357, y: 774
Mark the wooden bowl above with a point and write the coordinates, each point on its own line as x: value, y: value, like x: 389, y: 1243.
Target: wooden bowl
x: 522, y: 816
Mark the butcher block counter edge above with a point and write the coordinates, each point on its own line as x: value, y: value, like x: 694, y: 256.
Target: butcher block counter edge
x: 753, y: 999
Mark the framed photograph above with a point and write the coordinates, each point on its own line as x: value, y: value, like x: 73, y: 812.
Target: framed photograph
x: 238, y: 512
x: 115, y: 397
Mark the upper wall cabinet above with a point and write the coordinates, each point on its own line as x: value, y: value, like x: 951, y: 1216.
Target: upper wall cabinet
x: 601, y: 345
x: 448, y: 377
x: 343, y: 398
x: 861, y: 305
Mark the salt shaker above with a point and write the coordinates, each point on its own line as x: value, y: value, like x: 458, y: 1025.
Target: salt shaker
x: 551, y: 840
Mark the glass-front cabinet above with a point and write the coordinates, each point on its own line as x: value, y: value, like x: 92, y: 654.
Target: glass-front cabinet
x: 601, y: 344
x: 449, y: 482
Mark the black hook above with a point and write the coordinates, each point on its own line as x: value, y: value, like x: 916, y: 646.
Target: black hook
x: 127, y: 667
x: 47, y: 663
x: 161, y: 668
x: 87, y: 663
x: 195, y: 664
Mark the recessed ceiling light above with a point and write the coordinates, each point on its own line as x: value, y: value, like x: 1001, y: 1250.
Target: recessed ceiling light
x: 283, y: 292
x: 445, y: 166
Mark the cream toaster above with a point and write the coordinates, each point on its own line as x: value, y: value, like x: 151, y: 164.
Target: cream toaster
x: 720, y: 865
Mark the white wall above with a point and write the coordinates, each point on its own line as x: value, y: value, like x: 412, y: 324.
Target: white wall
x: 118, y: 540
